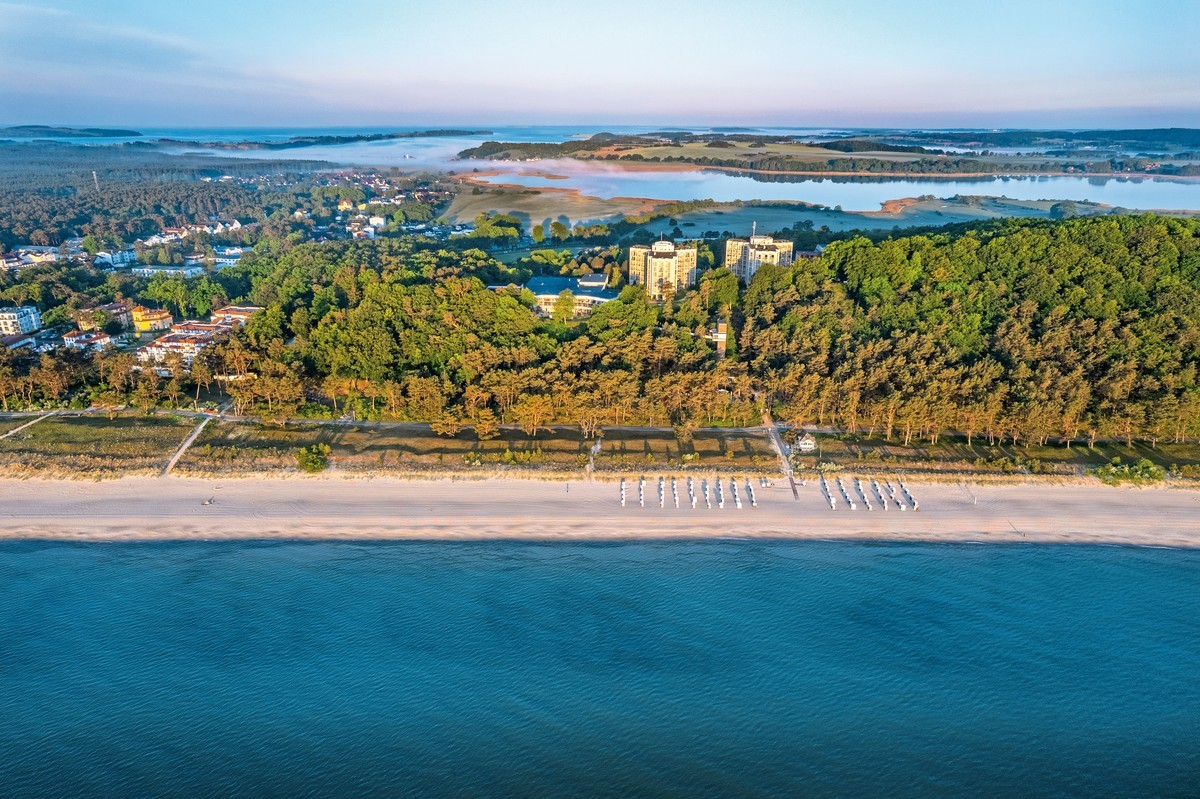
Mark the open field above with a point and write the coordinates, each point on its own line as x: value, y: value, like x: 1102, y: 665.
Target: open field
x: 542, y: 206
x: 94, y: 446
x: 330, y: 507
x: 743, y: 150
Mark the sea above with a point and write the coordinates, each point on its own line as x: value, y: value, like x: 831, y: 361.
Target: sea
x: 607, y: 180
x: 707, y: 668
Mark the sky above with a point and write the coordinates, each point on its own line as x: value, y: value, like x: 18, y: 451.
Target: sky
x: 883, y: 63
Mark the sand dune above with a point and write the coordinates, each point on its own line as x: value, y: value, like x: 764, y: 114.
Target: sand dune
x: 331, y: 507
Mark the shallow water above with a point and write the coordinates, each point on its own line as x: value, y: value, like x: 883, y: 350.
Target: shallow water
x: 610, y: 180
x: 664, y: 669
x: 865, y: 193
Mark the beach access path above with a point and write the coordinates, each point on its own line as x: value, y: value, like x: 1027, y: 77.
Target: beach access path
x: 333, y: 507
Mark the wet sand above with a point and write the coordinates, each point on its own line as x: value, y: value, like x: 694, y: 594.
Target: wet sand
x: 147, y: 508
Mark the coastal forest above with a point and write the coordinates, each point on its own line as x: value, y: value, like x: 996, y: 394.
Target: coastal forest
x: 1023, y: 331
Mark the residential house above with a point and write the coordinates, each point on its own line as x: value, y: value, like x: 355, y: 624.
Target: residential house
x: 93, y: 340
x: 151, y: 320
x: 185, y: 345
x: 87, y: 319
x: 16, y: 341
x: 234, y: 314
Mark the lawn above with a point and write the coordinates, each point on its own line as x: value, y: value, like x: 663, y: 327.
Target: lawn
x: 94, y: 445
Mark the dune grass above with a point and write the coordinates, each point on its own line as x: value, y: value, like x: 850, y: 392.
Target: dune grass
x: 233, y: 447
x: 954, y: 455
x: 93, y: 446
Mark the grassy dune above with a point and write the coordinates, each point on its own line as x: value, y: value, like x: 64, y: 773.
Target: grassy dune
x: 953, y: 455
x: 94, y: 446
x: 240, y: 447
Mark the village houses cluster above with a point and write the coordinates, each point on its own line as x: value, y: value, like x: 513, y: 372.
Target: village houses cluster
x: 153, y: 333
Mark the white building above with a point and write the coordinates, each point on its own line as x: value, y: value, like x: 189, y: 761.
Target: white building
x: 94, y: 340
x: 116, y: 257
x: 186, y: 345
x: 234, y: 314
x: 662, y: 268
x: 24, y: 319
x: 743, y: 257
x: 227, y: 256
x: 169, y: 271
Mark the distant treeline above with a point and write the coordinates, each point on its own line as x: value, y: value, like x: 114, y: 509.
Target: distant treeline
x: 940, y: 164
x: 49, y: 166
x: 922, y: 166
x: 312, y: 141
x: 869, y: 146
x: 1185, y: 137
x: 51, y: 132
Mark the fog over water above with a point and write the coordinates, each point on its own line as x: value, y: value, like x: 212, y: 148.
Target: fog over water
x: 608, y: 180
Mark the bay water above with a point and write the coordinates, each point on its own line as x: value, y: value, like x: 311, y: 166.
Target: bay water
x: 684, y: 668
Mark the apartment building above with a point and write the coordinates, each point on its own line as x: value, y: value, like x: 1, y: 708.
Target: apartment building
x: 663, y: 268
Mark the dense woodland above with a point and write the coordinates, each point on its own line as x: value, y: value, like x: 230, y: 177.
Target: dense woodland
x: 1025, y: 331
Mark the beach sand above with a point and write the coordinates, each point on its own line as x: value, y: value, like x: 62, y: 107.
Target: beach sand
x: 331, y: 507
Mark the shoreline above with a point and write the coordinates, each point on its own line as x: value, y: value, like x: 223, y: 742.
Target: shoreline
x: 388, y: 508
x: 686, y: 166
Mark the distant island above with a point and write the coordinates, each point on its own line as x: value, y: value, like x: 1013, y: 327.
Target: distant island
x: 51, y: 132
x: 314, y: 141
x: 1170, y: 152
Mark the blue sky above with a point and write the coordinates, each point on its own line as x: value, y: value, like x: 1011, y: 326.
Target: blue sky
x: 373, y: 62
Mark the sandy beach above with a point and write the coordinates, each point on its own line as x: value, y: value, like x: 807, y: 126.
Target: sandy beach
x: 144, y: 508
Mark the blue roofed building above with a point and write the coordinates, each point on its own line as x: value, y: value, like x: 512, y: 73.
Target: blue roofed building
x: 589, y: 290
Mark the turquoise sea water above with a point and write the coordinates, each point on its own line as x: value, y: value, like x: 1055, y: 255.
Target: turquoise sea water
x: 685, y: 669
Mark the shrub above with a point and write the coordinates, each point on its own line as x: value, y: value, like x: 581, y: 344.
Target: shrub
x: 313, y: 459
x: 1116, y: 472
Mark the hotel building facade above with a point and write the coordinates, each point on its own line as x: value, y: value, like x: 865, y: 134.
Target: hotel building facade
x: 743, y: 257
x: 662, y: 268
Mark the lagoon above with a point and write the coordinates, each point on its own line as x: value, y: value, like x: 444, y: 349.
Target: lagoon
x: 852, y: 193
x: 611, y: 180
